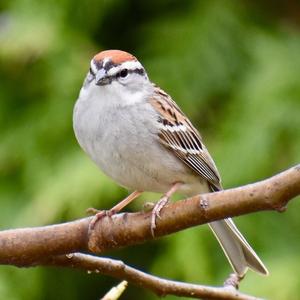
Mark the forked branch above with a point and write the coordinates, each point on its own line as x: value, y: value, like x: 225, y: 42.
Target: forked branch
x: 45, y: 245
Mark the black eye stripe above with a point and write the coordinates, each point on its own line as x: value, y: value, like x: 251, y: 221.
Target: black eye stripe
x: 137, y: 71
x: 119, y: 74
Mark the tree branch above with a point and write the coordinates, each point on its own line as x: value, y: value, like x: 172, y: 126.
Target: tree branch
x: 22, y: 246
x: 159, y: 286
x: 49, y: 245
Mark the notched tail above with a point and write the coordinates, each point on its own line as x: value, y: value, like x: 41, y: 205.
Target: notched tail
x: 237, y: 250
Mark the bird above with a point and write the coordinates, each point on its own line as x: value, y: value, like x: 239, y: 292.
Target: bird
x: 138, y: 136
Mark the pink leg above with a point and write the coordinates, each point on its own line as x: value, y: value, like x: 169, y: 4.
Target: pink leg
x: 114, y: 209
x: 161, y: 204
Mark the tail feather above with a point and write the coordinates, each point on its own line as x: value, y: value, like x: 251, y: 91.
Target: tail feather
x: 237, y: 250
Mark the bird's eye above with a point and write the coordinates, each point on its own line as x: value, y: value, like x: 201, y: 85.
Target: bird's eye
x: 123, y: 73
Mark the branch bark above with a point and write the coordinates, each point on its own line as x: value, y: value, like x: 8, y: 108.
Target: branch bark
x: 22, y: 246
x: 49, y: 245
x: 159, y: 286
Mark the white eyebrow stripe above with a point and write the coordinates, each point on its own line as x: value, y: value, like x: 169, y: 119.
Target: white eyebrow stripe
x: 94, y: 67
x: 130, y: 65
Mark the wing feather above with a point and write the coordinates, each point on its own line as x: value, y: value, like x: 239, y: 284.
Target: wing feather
x: 179, y: 135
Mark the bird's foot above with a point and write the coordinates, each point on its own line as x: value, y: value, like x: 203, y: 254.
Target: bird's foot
x: 99, y: 215
x: 156, y: 212
x: 233, y: 281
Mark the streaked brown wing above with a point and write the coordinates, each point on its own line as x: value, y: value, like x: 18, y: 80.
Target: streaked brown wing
x: 179, y: 135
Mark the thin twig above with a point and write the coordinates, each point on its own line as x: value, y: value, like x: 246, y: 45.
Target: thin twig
x: 34, y: 246
x: 159, y: 286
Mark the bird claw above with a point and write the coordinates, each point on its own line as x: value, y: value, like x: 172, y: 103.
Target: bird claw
x: 156, y: 212
x: 233, y: 281
x: 99, y: 215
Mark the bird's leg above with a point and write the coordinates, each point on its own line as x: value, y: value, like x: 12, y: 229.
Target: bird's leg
x: 115, y: 209
x: 161, y: 204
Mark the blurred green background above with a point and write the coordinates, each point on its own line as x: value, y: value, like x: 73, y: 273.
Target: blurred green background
x: 233, y: 67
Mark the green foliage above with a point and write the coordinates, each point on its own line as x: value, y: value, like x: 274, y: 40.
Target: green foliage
x: 234, y: 69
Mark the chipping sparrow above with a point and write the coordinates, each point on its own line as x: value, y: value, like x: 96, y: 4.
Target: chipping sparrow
x: 139, y: 137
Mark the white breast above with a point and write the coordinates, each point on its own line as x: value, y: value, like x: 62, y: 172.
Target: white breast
x: 123, y: 142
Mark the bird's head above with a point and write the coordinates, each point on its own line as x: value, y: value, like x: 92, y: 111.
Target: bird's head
x: 118, y: 72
